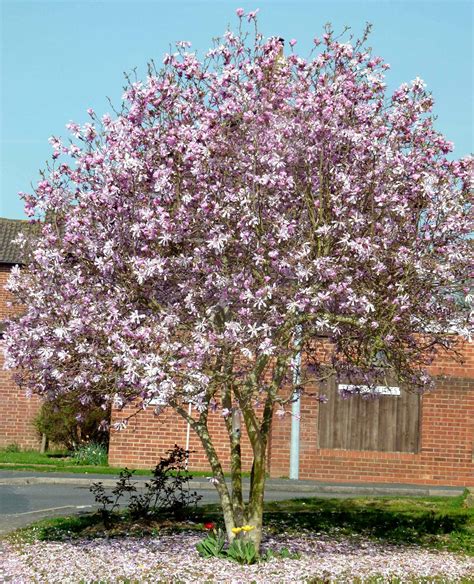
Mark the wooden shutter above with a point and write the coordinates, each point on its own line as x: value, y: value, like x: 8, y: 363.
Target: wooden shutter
x: 385, y: 423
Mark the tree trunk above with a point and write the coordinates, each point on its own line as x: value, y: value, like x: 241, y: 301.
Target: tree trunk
x: 227, y: 503
x: 254, y: 514
x: 234, y: 513
x: 220, y: 484
x: 44, y: 443
x: 236, y: 475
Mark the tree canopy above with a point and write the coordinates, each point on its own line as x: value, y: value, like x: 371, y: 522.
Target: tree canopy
x: 231, y: 201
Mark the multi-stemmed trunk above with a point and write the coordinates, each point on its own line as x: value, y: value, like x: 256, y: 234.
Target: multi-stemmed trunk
x: 236, y: 512
x: 254, y: 514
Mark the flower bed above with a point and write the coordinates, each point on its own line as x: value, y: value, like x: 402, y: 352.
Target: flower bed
x: 173, y: 558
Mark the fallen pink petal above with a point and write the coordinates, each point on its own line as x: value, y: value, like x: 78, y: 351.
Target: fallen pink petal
x: 173, y: 558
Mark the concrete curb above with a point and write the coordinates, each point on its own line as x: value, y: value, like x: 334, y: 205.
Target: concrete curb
x: 315, y: 489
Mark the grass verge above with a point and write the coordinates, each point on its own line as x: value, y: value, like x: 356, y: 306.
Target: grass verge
x: 56, y: 457
x: 61, y: 461
x: 69, y: 468
x: 438, y: 522
x: 54, y: 461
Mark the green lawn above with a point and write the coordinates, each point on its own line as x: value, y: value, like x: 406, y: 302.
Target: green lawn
x: 77, y: 469
x: 55, y: 461
x: 441, y: 522
x: 32, y: 457
x: 433, y: 522
x: 59, y: 461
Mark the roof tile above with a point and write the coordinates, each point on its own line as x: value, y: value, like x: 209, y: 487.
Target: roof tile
x: 9, y: 229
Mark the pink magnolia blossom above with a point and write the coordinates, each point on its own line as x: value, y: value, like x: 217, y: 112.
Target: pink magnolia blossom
x: 252, y: 15
x: 230, y: 202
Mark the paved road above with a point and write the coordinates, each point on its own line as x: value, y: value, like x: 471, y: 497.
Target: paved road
x: 26, y: 497
x: 21, y: 504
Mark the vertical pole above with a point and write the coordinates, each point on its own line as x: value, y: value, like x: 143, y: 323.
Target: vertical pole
x: 236, y: 423
x: 295, y: 409
x: 188, y: 436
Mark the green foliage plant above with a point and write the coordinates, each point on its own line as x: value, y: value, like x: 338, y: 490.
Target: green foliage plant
x: 67, y: 422
x: 13, y: 447
x: 242, y: 551
x: 94, y: 454
x: 109, y: 504
x: 213, y: 545
x: 168, y: 490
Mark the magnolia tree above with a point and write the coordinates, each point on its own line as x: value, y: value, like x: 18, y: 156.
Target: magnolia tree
x: 236, y: 211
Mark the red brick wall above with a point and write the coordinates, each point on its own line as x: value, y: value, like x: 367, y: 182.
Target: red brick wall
x: 446, y: 452
x: 16, y: 410
x: 445, y: 456
x: 16, y: 413
x: 148, y: 437
x: 446, y: 443
x: 5, y: 310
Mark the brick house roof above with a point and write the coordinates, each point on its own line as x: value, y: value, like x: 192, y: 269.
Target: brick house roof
x: 9, y: 229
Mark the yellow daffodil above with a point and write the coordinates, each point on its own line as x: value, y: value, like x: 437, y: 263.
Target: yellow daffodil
x: 237, y: 530
x: 248, y: 527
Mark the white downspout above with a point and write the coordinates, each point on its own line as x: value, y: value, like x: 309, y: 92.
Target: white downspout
x: 188, y: 436
x: 295, y: 410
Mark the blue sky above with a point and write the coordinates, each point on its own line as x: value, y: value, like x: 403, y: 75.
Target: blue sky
x: 59, y: 57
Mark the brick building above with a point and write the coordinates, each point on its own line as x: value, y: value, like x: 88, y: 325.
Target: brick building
x: 16, y: 410
x: 399, y: 437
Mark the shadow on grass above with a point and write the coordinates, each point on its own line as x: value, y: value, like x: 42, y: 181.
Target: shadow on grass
x: 433, y: 522
x: 403, y: 520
